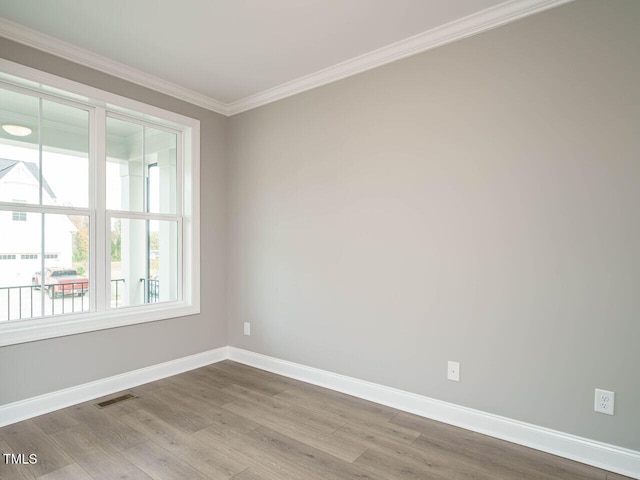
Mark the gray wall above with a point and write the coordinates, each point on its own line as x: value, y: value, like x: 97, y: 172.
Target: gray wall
x: 35, y: 368
x: 473, y: 203
x: 478, y: 202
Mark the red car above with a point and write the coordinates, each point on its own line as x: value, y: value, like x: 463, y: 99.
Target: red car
x: 61, y: 282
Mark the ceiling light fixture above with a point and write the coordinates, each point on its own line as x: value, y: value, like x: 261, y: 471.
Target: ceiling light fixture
x: 17, y: 130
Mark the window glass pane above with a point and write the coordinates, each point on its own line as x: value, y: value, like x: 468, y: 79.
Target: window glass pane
x: 160, y: 161
x: 66, y: 253
x: 144, y: 262
x: 65, y: 155
x: 19, y: 150
x: 125, y: 166
x: 163, y: 261
x: 20, y: 250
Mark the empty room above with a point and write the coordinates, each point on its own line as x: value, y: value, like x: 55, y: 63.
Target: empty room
x: 320, y: 239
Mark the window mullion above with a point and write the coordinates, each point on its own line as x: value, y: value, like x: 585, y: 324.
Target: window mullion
x: 42, y: 225
x: 26, y: 207
x: 100, y: 257
x: 144, y: 216
x: 180, y: 261
x: 179, y: 175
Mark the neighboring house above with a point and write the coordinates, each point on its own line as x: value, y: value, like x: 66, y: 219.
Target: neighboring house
x: 21, y: 250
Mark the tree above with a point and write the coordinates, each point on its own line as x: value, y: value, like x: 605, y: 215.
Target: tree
x: 80, y: 238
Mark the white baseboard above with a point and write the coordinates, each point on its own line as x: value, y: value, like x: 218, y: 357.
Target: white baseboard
x: 32, y: 407
x: 598, y: 454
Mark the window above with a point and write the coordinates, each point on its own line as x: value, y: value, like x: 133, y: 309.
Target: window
x: 109, y: 185
x: 19, y: 216
x: 144, y: 224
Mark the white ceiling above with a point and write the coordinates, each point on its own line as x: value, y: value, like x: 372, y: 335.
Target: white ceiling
x: 228, y: 51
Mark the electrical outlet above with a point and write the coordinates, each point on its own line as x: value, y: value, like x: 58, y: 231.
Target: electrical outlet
x: 605, y: 401
x: 453, y: 371
x: 247, y: 328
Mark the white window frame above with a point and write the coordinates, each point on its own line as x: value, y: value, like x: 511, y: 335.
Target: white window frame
x: 101, y: 315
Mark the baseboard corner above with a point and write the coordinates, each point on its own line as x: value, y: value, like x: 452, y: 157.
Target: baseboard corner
x: 32, y: 407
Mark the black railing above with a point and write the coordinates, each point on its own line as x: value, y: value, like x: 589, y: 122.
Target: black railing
x: 114, y: 283
x: 151, y: 289
x: 23, y: 297
x: 72, y: 295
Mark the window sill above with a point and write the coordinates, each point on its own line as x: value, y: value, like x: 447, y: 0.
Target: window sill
x: 22, y: 331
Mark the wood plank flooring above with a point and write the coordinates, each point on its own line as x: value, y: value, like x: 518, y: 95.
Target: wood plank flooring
x: 230, y: 421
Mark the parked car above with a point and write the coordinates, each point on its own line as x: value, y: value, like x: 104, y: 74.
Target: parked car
x: 61, y: 282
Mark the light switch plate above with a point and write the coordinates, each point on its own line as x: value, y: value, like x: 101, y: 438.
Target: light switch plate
x: 453, y: 371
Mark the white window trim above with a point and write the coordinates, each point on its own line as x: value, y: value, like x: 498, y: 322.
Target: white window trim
x: 27, y: 330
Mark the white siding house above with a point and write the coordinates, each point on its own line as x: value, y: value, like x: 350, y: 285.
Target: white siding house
x: 21, y: 251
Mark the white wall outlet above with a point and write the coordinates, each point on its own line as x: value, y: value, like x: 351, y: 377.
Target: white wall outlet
x: 605, y: 401
x: 453, y: 371
x: 247, y: 328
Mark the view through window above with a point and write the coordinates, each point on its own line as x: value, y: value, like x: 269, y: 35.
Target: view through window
x: 51, y: 213
x: 142, y: 204
x: 44, y: 175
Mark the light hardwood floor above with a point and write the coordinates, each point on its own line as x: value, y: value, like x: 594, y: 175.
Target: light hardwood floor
x: 230, y: 421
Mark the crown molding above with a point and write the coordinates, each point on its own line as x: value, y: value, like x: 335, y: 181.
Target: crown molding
x: 59, y: 48
x: 479, y: 22
x: 474, y: 24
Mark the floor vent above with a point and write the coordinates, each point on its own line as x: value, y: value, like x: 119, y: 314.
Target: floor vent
x: 119, y: 399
